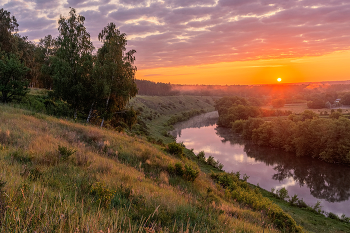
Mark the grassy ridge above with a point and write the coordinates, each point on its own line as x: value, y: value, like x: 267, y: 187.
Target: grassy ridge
x: 103, y: 180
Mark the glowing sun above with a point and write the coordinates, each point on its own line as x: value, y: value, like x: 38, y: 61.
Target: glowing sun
x: 279, y: 80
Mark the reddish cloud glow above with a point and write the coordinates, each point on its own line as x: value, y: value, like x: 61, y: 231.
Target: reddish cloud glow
x: 182, y: 33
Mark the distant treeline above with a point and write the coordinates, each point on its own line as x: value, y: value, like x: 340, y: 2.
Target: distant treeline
x: 152, y: 88
x: 235, y: 108
x: 305, y: 134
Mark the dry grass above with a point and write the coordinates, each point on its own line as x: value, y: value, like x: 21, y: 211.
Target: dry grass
x: 46, y: 194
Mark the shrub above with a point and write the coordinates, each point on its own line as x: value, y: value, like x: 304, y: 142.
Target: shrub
x: 201, y: 156
x: 179, y: 169
x: 102, y: 193
x: 294, y: 200
x: 282, y: 193
x: 21, y: 157
x: 333, y: 216
x: 65, y: 152
x: 317, y: 207
x: 175, y: 148
x: 211, y: 161
x: 190, y: 173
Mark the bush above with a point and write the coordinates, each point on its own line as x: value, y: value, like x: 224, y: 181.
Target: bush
x: 211, y: 161
x: 294, y: 200
x: 282, y: 193
x: 178, y: 169
x: 333, y: 216
x: 175, y: 148
x: 102, y: 193
x: 201, y: 156
x: 64, y: 152
x: 190, y: 173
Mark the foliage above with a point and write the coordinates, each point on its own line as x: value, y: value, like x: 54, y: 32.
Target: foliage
x: 13, y: 83
x: 282, y: 193
x: 201, y: 156
x: 65, y: 153
x: 190, y: 173
x: 278, y: 103
x: 304, y: 134
x: 242, y: 193
x: 72, y: 64
x: 187, y: 172
x: 102, y: 193
x: 175, y: 148
x: 8, y: 27
x: 316, y: 103
x: 115, y: 70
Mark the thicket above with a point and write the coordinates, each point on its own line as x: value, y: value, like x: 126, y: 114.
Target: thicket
x: 305, y: 135
x: 235, y: 108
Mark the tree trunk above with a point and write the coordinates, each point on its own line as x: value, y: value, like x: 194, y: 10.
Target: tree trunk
x: 103, y: 119
x: 75, y: 114
x: 4, y: 97
x: 90, y: 113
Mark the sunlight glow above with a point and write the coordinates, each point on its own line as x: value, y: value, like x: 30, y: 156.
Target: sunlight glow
x: 279, y: 80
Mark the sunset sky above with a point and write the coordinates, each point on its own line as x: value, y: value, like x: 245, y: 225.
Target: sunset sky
x: 213, y: 41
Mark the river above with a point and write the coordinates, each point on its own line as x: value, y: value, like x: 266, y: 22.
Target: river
x: 311, y: 179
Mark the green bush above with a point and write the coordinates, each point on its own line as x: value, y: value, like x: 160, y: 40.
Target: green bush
x: 102, y: 194
x: 179, y: 169
x: 333, y: 216
x: 201, y: 156
x: 65, y: 153
x: 190, y: 173
x: 282, y: 193
x: 175, y: 148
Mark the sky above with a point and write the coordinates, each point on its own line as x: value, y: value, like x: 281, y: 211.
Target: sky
x: 212, y: 41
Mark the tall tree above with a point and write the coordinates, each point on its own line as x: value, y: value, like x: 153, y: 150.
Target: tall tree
x: 8, y: 27
x: 46, y: 49
x: 73, y: 63
x: 116, y: 69
x: 13, y: 83
x: 13, y: 57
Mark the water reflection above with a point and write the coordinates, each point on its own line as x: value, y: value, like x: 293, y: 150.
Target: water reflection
x: 311, y: 179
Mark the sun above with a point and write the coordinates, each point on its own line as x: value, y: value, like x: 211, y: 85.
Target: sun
x: 279, y: 80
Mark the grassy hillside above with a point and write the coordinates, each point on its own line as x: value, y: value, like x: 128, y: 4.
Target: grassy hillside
x: 157, y: 110
x: 57, y: 175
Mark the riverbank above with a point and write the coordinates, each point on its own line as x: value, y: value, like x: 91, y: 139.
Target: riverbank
x: 307, y: 217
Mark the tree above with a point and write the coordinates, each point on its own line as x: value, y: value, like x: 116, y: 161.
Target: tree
x: 8, y: 27
x: 116, y: 69
x: 13, y: 83
x: 46, y: 49
x: 72, y: 65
